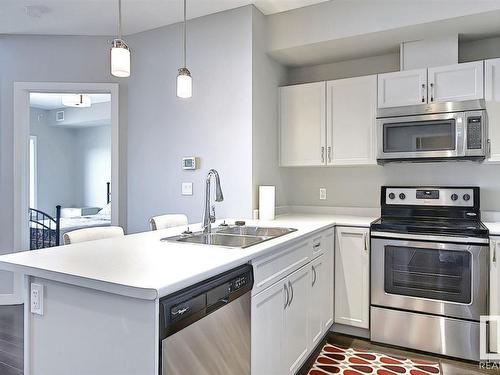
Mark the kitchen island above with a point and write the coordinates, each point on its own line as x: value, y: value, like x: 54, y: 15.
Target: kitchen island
x: 101, y: 298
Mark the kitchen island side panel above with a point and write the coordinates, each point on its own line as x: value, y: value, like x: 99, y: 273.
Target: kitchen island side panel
x: 84, y: 331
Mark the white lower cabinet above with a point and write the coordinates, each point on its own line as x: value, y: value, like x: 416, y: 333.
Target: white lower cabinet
x: 296, y: 345
x: 494, y: 293
x: 268, y: 330
x: 292, y: 315
x: 352, y: 285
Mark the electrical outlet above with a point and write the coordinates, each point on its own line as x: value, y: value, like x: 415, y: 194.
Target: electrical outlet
x: 187, y: 188
x: 322, y: 194
x: 37, y: 299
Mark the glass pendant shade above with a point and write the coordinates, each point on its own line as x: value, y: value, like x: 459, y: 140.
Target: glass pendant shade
x: 184, y: 84
x: 120, y: 59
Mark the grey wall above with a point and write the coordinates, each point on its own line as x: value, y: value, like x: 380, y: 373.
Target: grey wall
x: 74, y: 164
x: 56, y: 168
x: 47, y: 59
x: 344, y: 69
x: 267, y: 76
x: 360, y: 186
x: 214, y: 125
x: 93, y: 163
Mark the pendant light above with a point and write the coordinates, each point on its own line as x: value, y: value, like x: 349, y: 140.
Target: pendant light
x: 120, y: 53
x: 184, y: 80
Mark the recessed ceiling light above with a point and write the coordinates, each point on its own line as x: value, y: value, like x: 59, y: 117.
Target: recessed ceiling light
x: 36, y: 11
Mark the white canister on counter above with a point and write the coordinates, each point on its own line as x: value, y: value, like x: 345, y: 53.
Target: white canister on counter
x: 267, y: 202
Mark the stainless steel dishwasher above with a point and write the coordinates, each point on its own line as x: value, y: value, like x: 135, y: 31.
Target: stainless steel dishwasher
x: 205, y: 329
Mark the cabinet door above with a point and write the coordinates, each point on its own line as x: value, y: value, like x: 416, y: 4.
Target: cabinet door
x: 268, y: 329
x: 316, y: 300
x: 408, y: 87
x: 494, y: 295
x: 296, y: 341
x: 351, y: 115
x: 303, y: 124
x: 352, y: 289
x: 456, y: 82
x: 492, y: 96
x: 328, y: 279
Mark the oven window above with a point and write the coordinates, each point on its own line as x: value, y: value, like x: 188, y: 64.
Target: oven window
x: 420, y: 136
x: 428, y: 273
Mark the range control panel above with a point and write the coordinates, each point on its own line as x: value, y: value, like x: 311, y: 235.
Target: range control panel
x: 455, y: 197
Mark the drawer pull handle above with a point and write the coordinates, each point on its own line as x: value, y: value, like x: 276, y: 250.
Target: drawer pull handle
x: 314, y: 275
x: 290, y: 286
x: 316, y: 245
x: 286, y: 295
x: 180, y: 311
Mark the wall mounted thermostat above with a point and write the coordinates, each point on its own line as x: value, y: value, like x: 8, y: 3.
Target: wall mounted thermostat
x: 189, y: 163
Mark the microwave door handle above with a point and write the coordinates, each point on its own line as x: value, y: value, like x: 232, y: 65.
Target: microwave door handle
x: 461, y: 135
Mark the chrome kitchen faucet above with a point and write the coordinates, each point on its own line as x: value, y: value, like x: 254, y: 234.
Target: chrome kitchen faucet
x: 209, y: 210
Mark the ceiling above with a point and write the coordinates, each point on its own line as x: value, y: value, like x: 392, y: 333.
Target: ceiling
x: 99, y: 17
x: 50, y: 101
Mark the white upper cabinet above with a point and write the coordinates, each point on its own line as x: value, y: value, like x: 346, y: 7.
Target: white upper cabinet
x: 303, y: 124
x: 351, y: 116
x: 456, y: 82
x: 408, y: 87
x: 352, y: 285
x: 492, y: 96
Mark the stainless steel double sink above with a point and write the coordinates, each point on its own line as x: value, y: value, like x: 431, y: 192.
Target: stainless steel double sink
x: 232, y: 236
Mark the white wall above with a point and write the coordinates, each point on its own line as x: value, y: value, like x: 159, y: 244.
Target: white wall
x: 56, y: 158
x: 214, y: 125
x: 267, y: 76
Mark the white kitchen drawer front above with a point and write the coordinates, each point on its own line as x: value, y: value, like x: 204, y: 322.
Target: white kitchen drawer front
x: 271, y: 268
x: 456, y: 82
x: 408, y: 87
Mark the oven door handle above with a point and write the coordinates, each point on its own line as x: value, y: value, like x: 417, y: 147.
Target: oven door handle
x: 434, y: 238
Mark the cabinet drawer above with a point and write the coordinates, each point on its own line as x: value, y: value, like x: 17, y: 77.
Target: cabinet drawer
x: 271, y: 268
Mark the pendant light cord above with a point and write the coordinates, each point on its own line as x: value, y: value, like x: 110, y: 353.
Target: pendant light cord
x: 120, y: 19
x: 184, y: 33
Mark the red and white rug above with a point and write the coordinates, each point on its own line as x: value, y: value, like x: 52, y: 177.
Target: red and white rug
x: 338, y: 360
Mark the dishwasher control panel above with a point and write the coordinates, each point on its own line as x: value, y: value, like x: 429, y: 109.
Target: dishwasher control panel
x: 189, y: 305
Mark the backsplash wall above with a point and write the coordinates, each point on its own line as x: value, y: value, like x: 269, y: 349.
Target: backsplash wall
x: 360, y: 186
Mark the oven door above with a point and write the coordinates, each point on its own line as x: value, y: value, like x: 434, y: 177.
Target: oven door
x: 445, y: 279
x: 423, y: 136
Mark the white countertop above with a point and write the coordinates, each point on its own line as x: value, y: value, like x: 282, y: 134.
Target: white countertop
x: 142, y: 266
x: 494, y: 228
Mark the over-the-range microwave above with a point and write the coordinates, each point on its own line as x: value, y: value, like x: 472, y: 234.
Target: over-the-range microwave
x: 439, y: 131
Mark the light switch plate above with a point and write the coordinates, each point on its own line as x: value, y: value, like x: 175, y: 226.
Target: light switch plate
x: 322, y: 194
x: 36, y: 299
x: 187, y: 188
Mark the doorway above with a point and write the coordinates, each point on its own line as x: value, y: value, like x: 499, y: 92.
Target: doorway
x: 70, y: 165
x: 21, y: 119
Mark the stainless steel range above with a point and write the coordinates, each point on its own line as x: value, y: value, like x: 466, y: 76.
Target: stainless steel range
x: 429, y: 270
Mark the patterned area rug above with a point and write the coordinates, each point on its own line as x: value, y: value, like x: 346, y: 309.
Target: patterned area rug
x: 338, y: 360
